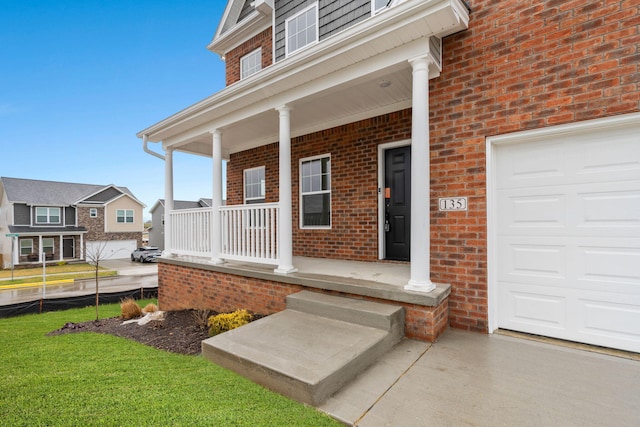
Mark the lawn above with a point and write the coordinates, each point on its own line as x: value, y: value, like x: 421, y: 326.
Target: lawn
x: 87, y: 379
x: 53, y: 272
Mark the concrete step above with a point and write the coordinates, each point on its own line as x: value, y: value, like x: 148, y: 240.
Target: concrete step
x: 310, y: 352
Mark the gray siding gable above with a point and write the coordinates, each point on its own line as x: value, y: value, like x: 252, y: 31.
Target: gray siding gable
x: 333, y: 16
x: 104, y: 196
x: 246, y: 10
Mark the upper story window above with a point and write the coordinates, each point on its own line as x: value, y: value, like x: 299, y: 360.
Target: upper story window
x: 378, y: 5
x: 254, y: 185
x: 315, y: 192
x: 93, y: 212
x: 301, y: 29
x: 124, y: 215
x: 47, y: 215
x: 251, y: 63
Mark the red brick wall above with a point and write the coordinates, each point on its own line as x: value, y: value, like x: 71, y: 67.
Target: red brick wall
x: 519, y: 66
x: 232, y: 58
x: 182, y: 288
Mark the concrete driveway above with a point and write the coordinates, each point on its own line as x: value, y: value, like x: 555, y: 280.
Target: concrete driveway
x: 126, y: 267
x: 468, y: 379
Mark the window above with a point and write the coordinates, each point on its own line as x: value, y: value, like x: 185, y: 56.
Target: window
x: 251, y: 63
x: 47, y: 215
x: 301, y: 29
x: 254, y: 185
x: 315, y: 192
x: 47, y: 245
x: 378, y: 5
x: 93, y: 212
x: 124, y: 215
x: 26, y: 246
x: 162, y: 219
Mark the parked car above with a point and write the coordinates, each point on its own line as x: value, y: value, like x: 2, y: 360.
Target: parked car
x: 146, y: 254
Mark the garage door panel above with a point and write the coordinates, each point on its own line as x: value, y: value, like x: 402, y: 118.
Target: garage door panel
x: 612, y: 208
x: 614, y: 269
x: 539, y: 212
x: 532, y: 259
x: 610, y: 318
x: 533, y: 309
x: 597, y: 161
x: 530, y: 164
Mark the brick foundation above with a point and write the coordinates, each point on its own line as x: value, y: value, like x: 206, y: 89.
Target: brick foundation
x: 181, y: 288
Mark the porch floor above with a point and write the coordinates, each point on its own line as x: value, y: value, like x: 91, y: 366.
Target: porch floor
x: 384, y: 280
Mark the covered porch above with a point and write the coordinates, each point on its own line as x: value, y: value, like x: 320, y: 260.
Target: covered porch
x: 372, y: 75
x: 368, y: 70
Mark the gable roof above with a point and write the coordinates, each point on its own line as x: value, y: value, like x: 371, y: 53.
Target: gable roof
x: 184, y: 204
x: 51, y: 193
x: 241, y: 20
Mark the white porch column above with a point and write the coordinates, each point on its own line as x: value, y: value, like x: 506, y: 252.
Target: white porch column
x: 420, y: 280
x: 168, y: 199
x: 61, y: 248
x: 216, y: 231
x: 285, y: 230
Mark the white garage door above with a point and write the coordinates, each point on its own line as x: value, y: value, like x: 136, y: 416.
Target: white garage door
x: 111, y: 249
x: 567, y: 229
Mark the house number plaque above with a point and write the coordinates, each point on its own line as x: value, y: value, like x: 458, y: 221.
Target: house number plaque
x: 452, y: 204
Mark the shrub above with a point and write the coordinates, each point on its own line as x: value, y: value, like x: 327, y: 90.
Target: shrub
x: 228, y: 321
x: 150, y: 308
x: 201, y: 318
x: 130, y: 309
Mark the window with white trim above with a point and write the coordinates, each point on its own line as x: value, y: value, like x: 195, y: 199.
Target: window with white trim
x: 315, y: 192
x: 251, y: 63
x: 93, y: 212
x: 26, y: 246
x: 301, y: 29
x: 254, y: 185
x: 47, y: 215
x: 378, y: 5
x: 124, y: 216
x: 47, y: 245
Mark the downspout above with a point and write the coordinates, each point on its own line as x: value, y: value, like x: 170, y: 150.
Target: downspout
x: 146, y: 149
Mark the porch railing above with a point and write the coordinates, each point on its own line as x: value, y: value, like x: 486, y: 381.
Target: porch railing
x: 191, y: 232
x: 248, y: 232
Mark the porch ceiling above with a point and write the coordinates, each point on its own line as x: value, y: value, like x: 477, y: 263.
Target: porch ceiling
x: 332, y: 83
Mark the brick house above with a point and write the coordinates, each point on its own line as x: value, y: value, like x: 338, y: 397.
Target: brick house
x: 491, y: 148
x: 65, y: 221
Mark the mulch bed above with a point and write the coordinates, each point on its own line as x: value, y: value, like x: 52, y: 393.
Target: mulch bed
x: 179, y: 332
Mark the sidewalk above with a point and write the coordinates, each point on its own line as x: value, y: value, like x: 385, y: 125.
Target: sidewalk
x: 469, y: 379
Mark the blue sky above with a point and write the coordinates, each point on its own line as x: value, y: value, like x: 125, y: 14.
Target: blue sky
x: 79, y: 78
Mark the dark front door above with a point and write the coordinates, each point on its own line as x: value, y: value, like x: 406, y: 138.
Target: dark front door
x: 397, y: 201
x: 68, y: 247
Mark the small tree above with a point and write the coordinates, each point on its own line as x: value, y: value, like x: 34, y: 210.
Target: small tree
x: 97, y: 253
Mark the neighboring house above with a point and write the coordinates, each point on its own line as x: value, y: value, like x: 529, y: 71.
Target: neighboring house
x: 491, y: 146
x: 66, y: 221
x: 156, y: 231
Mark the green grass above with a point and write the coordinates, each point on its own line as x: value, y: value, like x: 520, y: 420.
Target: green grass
x: 53, y: 272
x: 88, y: 379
